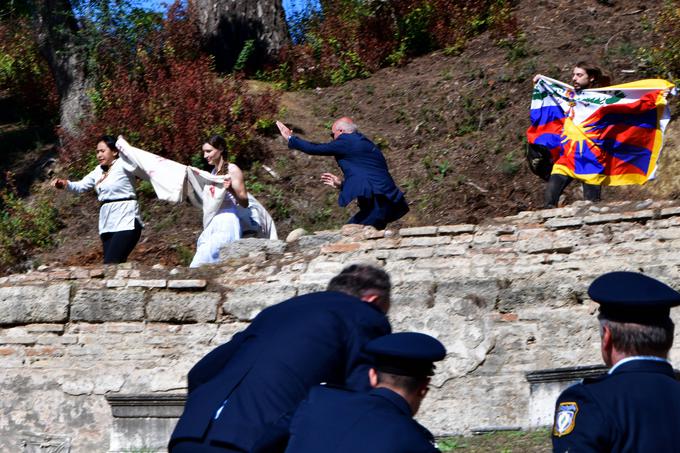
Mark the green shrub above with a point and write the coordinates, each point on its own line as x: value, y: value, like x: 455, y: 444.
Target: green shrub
x: 24, y: 228
x: 663, y: 57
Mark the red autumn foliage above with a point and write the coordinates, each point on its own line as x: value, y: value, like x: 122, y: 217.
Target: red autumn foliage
x: 169, y: 99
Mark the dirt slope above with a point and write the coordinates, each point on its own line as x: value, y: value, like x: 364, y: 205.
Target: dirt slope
x: 451, y: 126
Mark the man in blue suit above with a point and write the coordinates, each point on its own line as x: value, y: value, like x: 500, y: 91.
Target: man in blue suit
x: 636, y: 406
x: 366, y: 176
x: 236, y: 391
x: 332, y: 420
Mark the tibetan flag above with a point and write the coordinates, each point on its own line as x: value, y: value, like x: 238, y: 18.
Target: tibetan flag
x: 609, y: 136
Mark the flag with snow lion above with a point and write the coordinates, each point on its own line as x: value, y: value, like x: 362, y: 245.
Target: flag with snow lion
x: 609, y: 136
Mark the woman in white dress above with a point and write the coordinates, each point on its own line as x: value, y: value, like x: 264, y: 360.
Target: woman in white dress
x: 120, y: 223
x: 225, y: 226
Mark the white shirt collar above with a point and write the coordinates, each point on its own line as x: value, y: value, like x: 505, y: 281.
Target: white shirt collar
x: 637, y: 357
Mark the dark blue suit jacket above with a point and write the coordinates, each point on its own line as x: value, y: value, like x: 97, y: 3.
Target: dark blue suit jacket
x: 362, y: 164
x: 339, y: 421
x: 634, y: 409
x: 267, y: 369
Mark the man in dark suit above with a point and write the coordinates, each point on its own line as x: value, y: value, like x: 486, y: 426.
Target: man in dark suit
x: 365, y: 169
x: 243, y: 386
x: 636, y: 406
x: 380, y: 421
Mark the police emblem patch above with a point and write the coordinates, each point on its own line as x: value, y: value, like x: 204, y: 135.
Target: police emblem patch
x: 565, y: 419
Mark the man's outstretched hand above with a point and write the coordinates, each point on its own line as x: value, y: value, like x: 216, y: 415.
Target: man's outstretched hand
x: 331, y: 180
x: 285, y: 132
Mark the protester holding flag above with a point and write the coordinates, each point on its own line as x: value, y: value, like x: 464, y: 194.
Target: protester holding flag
x: 601, y: 136
x: 120, y: 223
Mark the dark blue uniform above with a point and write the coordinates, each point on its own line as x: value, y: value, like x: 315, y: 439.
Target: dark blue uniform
x: 634, y: 409
x: 338, y: 421
x: 366, y: 178
x: 266, y: 370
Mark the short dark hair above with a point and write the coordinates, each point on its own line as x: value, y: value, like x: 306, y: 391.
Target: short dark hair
x: 409, y: 384
x: 358, y: 279
x: 600, y: 79
x: 110, y: 141
x: 641, y: 339
x: 218, y: 142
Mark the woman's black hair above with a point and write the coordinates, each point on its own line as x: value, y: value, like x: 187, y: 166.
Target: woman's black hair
x: 218, y: 142
x: 110, y: 141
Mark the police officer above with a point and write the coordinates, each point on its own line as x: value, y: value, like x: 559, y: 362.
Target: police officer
x: 636, y: 406
x: 380, y: 421
x: 263, y: 373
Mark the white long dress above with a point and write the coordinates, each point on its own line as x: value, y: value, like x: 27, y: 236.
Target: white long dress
x: 224, y: 228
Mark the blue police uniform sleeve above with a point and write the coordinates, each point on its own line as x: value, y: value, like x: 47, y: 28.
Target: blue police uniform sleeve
x: 359, y: 362
x: 580, y: 424
x: 211, y: 364
x: 317, y: 149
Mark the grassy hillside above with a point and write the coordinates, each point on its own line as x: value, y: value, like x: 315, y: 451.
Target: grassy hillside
x: 450, y: 124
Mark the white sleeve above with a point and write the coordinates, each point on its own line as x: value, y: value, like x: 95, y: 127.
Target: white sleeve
x: 87, y: 183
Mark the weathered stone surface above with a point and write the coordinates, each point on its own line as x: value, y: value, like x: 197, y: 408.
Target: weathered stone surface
x: 125, y: 305
x: 185, y: 307
x: 296, y: 234
x: 155, y: 283
x: 506, y: 298
x: 249, y: 246
x: 319, y: 239
x: 246, y: 302
x: 31, y: 304
x: 418, y: 231
x: 187, y: 284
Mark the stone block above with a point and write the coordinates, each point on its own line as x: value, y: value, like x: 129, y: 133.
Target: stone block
x: 341, y: 248
x: 187, y: 284
x: 97, y: 273
x: 669, y: 212
x: 42, y: 328
x: 457, y: 229
x: 645, y: 214
x: 401, y: 254
x: 116, y: 283
x: 245, y: 302
x: 186, y: 307
x: 602, y: 218
x: 57, y: 339
x: 452, y: 250
x: 251, y: 246
x: 156, y: 283
x: 319, y: 239
x: 418, y: 231
x: 34, y: 304
x: 427, y: 241
x: 107, y: 305
x: 558, y: 222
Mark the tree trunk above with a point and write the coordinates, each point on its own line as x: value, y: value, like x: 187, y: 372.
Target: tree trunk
x: 56, y: 30
x: 226, y: 26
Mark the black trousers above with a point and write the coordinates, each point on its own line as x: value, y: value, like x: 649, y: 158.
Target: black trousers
x: 118, y: 245
x: 557, y: 184
x: 378, y: 211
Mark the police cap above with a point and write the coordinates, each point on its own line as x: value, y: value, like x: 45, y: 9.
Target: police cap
x: 633, y: 297
x: 406, y: 353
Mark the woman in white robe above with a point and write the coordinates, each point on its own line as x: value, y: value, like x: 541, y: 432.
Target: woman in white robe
x: 224, y: 226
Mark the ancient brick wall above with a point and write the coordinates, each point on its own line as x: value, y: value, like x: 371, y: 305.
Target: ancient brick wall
x: 506, y: 298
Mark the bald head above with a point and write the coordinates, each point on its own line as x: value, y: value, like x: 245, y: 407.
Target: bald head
x: 343, y: 125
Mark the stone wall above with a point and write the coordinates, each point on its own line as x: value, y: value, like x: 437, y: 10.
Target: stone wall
x: 506, y: 298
